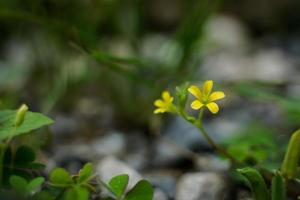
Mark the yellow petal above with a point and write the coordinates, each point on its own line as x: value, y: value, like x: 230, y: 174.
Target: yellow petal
x: 216, y: 96
x: 213, y: 107
x: 159, y: 110
x: 166, y: 96
x: 196, y: 105
x: 159, y: 103
x: 207, y: 87
x: 195, y: 91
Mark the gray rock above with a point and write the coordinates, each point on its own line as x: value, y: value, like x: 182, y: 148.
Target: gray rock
x: 110, y: 166
x: 64, y: 126
x: 220, y: 128
x: 182, y: 133
x: 112, y: 143
x: 137, y: 150
x: 200, y: 186
x: 167, y: 152
x: 210, y: 163
x: 233, y: 35
x: 265, y: 65
x: 159, y: 195
x: 164, y: 180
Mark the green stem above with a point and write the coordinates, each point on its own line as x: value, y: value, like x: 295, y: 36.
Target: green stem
x: 3, y: 150
x: 218, y: 148
x: 2, y: 155
x: 215, y: 146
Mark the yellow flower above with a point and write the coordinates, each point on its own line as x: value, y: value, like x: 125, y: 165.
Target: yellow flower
x: 165, y: 104
x: 205, y: 97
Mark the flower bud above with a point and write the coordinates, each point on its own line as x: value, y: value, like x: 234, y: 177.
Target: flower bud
x: 21, y: 115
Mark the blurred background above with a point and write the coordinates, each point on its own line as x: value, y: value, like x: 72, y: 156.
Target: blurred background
x: 96, y: 66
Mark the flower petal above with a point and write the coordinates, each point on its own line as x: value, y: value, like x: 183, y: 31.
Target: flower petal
x: 159, y: 103
x: 166, y: 96
x: 216, y: 96
x: 195, y: 91
x: 196, y: 105
x: 213, y: 107
x: 159, y: 110
x: 207, y: 87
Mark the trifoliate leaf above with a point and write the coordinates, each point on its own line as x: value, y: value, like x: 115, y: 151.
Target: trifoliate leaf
x: 59, y: 177
x: 118, y: 184
x: 19, y: 184
x: 77, y: 193
x: 85, y: 173
x: 141, y: 191
x: 34, y: 185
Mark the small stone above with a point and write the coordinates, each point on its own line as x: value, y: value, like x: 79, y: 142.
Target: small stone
x: 109, y: 167
x: 200, y: 186
x: 211, y: 163
x: 112, y: 143
x: 159, y: 195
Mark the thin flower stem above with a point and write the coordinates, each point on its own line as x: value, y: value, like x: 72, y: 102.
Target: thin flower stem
x: 215, y: 146
x: 218, y: 148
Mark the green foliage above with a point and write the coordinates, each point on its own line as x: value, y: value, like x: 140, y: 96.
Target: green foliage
x: 20, y: 162
x: 254, y: 145
x: 85, y: 174
x: 267, y: 94
x: 25, y: 188
x: 32, y: 121
x: 59, y: 177
x: 290, y: 163
x: 142, y: 190
x: 256, y: 183
x: 182, y: 94
x: 74, y: 187
x: 278, y: 187
x: 118, y: 184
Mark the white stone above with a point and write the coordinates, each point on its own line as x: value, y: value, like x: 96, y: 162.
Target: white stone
x: 200, y: 186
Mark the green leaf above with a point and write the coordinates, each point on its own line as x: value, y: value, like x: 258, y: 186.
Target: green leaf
x: 31, y: 122
x: 257, y: 183
x: 290, y: 163
x: 24, y: 155
x: 43, y: 195
x: 34, y: 185
x: 36, y: 166
x: 59, y: 177
x: 278, y: 187
x: 141, y: 191
x: 19, y: 184
x: 77, y: 193
x: 118, y: 184
x: 85, y: 173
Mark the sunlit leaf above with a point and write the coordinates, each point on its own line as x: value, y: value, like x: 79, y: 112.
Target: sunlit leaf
x: 31, y: 122
x: 141, y: 191
x: 118, y: 184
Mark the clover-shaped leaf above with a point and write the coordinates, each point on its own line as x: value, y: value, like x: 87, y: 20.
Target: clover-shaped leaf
x: 25, y: 188
x: 59, y: 177
x: 77, y: 193
x: 85, y: 173
x: 118, y: 184
x: 141, y: 191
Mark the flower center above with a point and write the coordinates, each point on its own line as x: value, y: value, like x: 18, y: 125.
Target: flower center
x: 205, y: 99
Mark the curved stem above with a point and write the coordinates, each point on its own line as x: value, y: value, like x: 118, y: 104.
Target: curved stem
x: 215, y: 146
x: 218, y: 148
